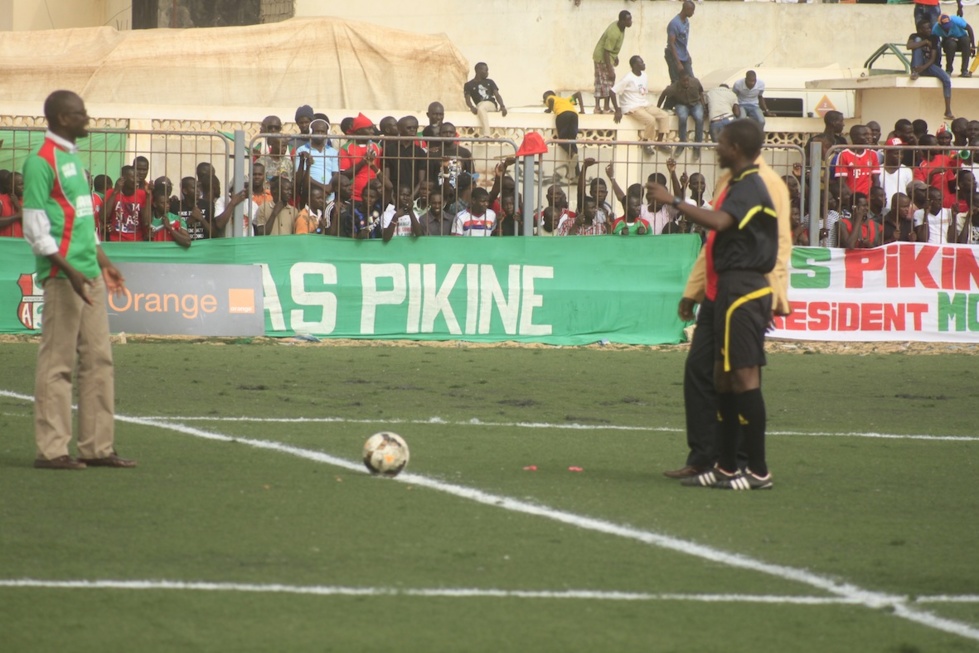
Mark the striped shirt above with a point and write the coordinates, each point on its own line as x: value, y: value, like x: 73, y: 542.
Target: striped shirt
x: 467, y: 224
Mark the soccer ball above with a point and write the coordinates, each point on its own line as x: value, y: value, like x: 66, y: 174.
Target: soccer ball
x: 386, y: 453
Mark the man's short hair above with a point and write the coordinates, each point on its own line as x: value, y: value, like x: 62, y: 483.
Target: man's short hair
x: 657, y: 177
x: 103, y: 183
x: 479, y: 193
x: 633, y: 59
x: 124, y: 169
x: 902, y: 123
x: 747, y: 136
x: 55, y: 103
x: 831, y: 116
x: 920, y: 126
x: 624, y: 14
x: 854, y: 130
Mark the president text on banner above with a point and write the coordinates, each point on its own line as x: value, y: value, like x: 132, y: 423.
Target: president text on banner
x: 902, y: 291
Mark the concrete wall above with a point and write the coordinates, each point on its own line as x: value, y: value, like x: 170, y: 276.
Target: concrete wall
x: 29, y: 15
x: 531, y: 45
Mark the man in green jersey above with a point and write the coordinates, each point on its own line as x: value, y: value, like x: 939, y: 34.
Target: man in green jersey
x: 59, y: 224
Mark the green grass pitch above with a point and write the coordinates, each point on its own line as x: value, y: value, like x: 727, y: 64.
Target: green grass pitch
x: 245, y: 528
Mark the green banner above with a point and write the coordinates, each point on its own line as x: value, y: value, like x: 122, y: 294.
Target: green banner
x: 563, y: 291
x: 102, y: 152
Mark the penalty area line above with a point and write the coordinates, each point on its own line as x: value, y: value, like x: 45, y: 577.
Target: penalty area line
x: 849, y: 591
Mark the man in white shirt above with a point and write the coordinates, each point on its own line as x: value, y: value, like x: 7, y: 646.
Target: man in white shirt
x: 722, y: 108
x: 400, y: 219
x: 479, y: 220
x: 656, y: 214
x: 894, y: 177
x: 751, y: 98
x: 631, y: 91
x: 932, y: 221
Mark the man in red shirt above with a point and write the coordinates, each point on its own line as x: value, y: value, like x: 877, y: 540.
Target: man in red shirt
x: 858, y: 166
x: 940, y: 167
x: 127, y: 209
x: 358, y: 160
x: 11, y: 213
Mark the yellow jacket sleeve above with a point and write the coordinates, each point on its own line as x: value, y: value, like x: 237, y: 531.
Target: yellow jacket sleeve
x: 779, y: 276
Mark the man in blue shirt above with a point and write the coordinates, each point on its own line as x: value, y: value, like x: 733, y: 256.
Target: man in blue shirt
x: 677, y: 35
x: 956, y: 36
x: 317, y: 161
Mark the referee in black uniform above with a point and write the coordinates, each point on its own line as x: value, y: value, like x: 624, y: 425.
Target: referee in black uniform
x: 742, y: 250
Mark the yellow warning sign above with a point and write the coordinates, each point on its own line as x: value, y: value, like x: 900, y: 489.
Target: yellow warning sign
x: 823, y: 106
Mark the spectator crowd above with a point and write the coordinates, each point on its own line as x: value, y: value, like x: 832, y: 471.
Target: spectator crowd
x: 397, y: 179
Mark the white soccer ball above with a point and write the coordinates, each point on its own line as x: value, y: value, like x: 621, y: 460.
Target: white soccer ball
x: 386, y: 453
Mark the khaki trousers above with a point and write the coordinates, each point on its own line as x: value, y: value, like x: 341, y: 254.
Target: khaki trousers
x: 654, y: 121
x: 483, y: 110
x: 69, y: 325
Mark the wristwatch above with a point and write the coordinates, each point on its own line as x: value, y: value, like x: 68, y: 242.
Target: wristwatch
x: 676, y: 202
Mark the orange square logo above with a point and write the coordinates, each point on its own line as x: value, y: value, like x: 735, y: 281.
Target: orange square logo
x: 241, y: 301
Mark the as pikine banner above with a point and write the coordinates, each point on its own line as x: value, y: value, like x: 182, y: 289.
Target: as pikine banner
x: 572, y: 290
x: 902, y: 291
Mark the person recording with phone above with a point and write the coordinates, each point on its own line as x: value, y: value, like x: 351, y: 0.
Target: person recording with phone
x: 399, y: 219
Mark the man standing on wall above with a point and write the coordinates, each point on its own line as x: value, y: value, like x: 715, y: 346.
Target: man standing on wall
x: 677, y: 36
x: 606, y: 58
x: 59, y: 224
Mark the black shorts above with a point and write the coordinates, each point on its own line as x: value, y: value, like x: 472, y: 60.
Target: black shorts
x: 742, y: 315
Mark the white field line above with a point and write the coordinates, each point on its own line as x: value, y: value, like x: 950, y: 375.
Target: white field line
x: 448, y: 592
x: 546, y: 425
x: 848, y: 591
x: 523, y: 425
x: 440, y: 592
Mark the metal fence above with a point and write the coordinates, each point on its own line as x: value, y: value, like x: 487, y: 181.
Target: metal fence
x: 380, y: 167
x: 156, y: 156
x: 522, y: 189
x: 607, y: 169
